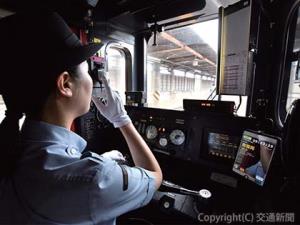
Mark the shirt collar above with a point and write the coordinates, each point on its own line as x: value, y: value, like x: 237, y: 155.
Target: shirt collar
x: 41, y: 131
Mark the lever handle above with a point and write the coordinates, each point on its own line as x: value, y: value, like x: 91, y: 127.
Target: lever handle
x: 170, y: 187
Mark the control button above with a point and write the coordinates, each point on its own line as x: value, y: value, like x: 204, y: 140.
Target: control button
x: 163, y: 142
x: 166, y: 205
x: 73, y: 151
x: 166, y: 202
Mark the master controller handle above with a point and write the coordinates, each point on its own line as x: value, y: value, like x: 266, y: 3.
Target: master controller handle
x: 167, y: 186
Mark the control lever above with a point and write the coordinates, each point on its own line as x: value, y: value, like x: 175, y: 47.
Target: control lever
x: 167, y: 186
x: 174, y: 198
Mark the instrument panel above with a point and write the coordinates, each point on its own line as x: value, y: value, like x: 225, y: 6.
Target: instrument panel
x: 209, y: 139
x: 165, y: 135
x: 205, y: 138
x: 176, y: 136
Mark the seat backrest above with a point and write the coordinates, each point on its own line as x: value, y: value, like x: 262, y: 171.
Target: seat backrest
x: 291, y: 141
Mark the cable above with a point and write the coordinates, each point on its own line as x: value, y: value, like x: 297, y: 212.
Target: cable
x: 214, y: 96
x: 239, y: 105
x: 211, y: 94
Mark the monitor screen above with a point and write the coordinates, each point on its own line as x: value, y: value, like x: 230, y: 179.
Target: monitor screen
x: 254, y: 156
x: 222, y: 145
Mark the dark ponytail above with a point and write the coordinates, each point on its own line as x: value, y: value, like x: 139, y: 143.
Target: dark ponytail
x: 9, y: 134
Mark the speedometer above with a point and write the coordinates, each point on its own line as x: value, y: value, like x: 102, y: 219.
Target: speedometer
x: 151, y: 132
x: 177, y: 137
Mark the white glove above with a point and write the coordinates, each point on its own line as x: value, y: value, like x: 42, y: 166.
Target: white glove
x: 114, y: 155
x: 111, y: 107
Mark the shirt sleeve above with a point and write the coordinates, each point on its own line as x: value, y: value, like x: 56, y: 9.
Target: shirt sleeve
x: 111, y: 197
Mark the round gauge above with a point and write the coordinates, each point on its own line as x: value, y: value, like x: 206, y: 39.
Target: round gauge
x: 177, y: 137
x: 163, y: 142
x: 151, y: 132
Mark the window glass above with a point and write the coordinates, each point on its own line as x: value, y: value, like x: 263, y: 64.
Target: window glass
x: 2, y: 112
x: 182, y: 65
x: 294, y: 83
x: 116, y: 69
x: 240, y: 103
x: 2, y: 109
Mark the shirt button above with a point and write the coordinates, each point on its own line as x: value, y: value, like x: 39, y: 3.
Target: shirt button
x: 73, y: 151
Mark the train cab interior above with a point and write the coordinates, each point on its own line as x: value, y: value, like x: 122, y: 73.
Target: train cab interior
x: 213, y: 87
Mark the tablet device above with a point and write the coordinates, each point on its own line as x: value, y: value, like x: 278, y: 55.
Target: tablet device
x: 254, y: 156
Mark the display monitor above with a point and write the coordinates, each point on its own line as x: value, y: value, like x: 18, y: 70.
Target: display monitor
x: 222, y: 145
x: 254, y: 156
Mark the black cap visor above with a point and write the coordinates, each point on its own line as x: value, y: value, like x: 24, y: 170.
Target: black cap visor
x: 63, y: 60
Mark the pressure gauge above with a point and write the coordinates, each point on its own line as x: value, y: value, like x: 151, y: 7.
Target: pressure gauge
x: 177, y: 137
x: 163, y: 142
x: 151, y: 132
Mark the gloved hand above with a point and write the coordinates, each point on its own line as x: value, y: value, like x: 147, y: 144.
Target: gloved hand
x: 114, y: 155
x: 111, y: 107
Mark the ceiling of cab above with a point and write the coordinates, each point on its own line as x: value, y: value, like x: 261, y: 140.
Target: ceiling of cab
x: 132, y: 14
x: 135, y: 15
x: 71, y: 10
x: 175, y: 47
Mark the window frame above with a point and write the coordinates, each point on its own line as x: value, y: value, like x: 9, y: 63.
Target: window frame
x: 127, y: 51
x: 286, y: 59
x: 176, y: 84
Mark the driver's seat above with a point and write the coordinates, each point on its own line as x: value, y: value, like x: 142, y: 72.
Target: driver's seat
x: 291, y: 157
x: 291, y: 141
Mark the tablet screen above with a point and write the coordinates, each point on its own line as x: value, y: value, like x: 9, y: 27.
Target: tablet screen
x: 254, y: 156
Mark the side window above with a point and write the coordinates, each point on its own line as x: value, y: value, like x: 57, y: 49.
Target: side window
x: 2, y: 109
x: 240, y: 103
x: 182, y: 65
x: 116, y: 69
x: 294, y: 81
x: 2, y: 112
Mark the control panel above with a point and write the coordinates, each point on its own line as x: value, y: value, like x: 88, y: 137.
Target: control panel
x: 210, y: 139
x: 192, y: 136
x: 165, y: 135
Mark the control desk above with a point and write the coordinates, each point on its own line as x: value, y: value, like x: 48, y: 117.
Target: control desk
x: 201, y: 138
x: 196, y: 151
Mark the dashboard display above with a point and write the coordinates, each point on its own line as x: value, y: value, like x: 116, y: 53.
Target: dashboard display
x: 222, y: 145
x: 254, y: 156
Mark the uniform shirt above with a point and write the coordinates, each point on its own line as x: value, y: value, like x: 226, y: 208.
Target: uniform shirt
x: 54, y: 184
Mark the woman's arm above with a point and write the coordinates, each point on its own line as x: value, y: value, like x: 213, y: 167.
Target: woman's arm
x: 113, y: 109
x: 140, y: 152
